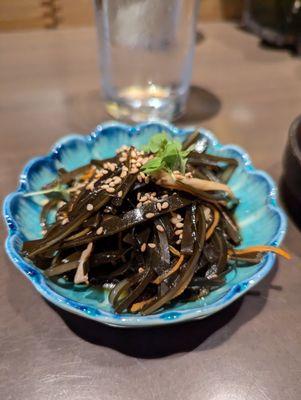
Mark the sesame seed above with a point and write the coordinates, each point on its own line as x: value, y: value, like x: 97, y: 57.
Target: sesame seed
x: 165, y: 196
x: 159, y: 206
x: 139, y: 177
x: 120, y: 193
x: 65, y: 221
x: 160, y: 228
x: 146, y: 179
x: 123, y: 148
x: 211, y: 276
x: 152, y: 245
x: 107, y: 165
x: 117, y: 179
x: 133, y: 153
x: 142, y: 175
x: 134, y: 170
x: 154, y: 194
x: 174, y: 220
x: 178, y: 241
x: 179, y: 232
x: 124, y: 154
x: 138, y: 196
x: 147, y: 202
x: 122, y: 159
x: 140, y: 270
x: 179, y: 225
x: 181, y: 236
x: 123, y: 174
x: 165, y: 205
x: 112, y: 184
x: 104, y: 186
x: 99, y: 230
x: 112, y: 167
x: 133, y: 161
x: 139, y: 205
x: 90, y: 207
x: 149, y: 215
x: 90, y: 186
x: 108, y: 180
x: 143, y: 248
x: 98, y: 175
x: 110, y: 190
x: 143, y: 198
x: 124, y: 168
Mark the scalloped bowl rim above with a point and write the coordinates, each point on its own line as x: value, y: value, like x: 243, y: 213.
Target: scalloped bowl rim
x: 131, y: 321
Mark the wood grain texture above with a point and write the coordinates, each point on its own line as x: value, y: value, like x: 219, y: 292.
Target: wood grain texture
x: 212, y: 10
x: 79, y: 13
x: 32, y: 14
x: 49, y: 87
x: 25, y: 14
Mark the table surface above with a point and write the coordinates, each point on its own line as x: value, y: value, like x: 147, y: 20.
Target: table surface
x: 246, y: 94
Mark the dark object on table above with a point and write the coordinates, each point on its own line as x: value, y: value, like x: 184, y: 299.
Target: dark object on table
x: 276, y: 22
x: 291, y: 179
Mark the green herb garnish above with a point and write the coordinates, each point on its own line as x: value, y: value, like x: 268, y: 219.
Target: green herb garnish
x: 168, y: 154
x: 60, y: 189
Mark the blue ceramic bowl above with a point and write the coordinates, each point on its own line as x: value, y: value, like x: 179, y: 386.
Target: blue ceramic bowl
x: 260, y: 218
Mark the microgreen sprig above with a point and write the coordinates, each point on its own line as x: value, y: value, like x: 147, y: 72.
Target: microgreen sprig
x: 168, y: 154
x: 60, y: 189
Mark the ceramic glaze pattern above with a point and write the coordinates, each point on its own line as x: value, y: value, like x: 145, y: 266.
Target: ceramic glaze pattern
x: 261, y: 220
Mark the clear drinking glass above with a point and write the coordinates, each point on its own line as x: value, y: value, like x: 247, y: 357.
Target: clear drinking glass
x: 146, y: 56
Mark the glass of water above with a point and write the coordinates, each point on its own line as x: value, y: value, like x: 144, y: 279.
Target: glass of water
x: 146, y: 56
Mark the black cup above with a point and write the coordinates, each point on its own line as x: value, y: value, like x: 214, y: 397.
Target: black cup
x: 291, y: 178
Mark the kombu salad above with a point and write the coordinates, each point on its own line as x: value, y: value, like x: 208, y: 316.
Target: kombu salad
x: 153, y: 225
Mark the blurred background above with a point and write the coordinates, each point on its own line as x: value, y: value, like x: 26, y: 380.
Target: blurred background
x: 277, y: 22
x: 49, y: 65
x: 35, y: 14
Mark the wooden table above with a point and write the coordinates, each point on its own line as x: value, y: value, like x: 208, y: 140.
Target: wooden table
x: 49, y: 86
